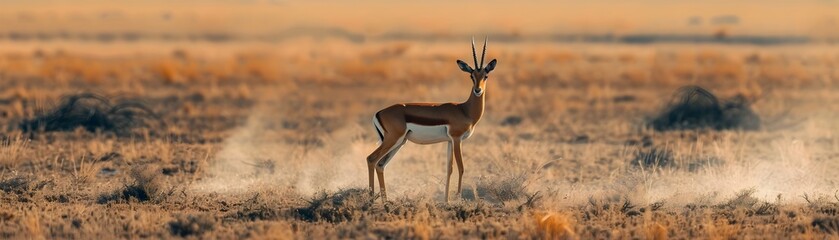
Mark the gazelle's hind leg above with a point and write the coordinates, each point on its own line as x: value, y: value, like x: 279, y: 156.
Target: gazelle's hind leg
x: 389, y: 141
x: 380, y: 166
x: 377, y: 156
x: 373, y: 158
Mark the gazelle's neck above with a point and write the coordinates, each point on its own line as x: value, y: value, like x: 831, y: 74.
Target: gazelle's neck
x: 474, y: 106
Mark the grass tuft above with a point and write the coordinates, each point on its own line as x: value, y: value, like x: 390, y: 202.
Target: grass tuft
x: 192, y: 225
x: 653, y: 158
x: 502, y: 189
x: 344, y: 205
x: 147, y: 186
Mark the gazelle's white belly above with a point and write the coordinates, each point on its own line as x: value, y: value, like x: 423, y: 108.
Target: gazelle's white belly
x: 423, y: 134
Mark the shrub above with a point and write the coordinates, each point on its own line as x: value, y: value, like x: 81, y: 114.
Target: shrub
x: 694, y: 107
x: 91, y: 112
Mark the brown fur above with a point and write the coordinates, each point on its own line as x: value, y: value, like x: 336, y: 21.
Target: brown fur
x: 460, y: 118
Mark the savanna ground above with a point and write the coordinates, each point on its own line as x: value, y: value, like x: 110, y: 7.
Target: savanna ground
x: 270, y: 140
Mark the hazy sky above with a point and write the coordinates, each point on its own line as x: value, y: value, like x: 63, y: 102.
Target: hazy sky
x: 436, y: 16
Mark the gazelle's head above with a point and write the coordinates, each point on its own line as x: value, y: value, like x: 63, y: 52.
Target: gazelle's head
x: 480, y: 73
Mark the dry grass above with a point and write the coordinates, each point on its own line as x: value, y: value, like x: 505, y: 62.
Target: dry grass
x: 554, y: 226
x: 195, y: 225
x: 270, y: 144
x: 13, y: 150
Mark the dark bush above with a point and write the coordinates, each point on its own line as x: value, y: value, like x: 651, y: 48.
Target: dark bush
x: 91, y: 112
x: 694, y: 107
x: 21, y: 185
x: 826, y: 224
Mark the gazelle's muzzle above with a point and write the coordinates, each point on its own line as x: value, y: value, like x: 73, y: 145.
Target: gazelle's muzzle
x: 478, y: 91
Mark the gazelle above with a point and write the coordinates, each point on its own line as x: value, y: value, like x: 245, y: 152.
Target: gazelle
x: 427, y: 123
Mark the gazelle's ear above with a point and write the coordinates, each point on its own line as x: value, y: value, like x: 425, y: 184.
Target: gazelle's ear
x: 490, y: 66
x: 463, y: 66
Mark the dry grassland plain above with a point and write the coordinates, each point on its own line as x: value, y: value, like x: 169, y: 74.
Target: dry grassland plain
x: 231, y: 138
x: 273, y: 143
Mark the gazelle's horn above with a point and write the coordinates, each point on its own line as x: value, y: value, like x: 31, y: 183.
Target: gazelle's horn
x: 474, y: 56
x: 484, y: 52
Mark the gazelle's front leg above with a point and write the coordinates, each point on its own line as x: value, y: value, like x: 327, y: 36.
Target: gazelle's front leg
x: 449, y: 169
x: 459, y: 158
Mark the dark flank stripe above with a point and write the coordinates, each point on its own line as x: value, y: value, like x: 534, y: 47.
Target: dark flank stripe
x: 381, y: 136
x: 424, y: 120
